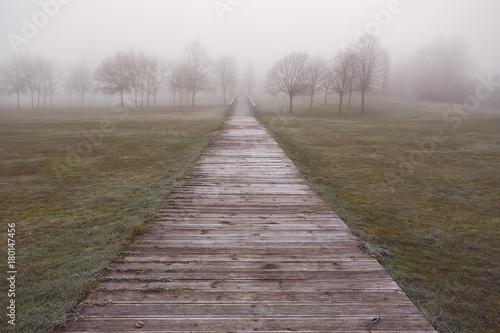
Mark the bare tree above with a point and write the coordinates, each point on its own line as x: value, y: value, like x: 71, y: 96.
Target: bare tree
x: 12, y: 79
x: 51, y: 76
x: 184, y: 82
x: 113, y: 75
x: 197, y: 69
x: 137, y: 73
x: 146, y: 76
x: 42, y: 69
x: 175, y: 79
x: 69, y: 89
x: 315, y: 70
x: 352, y: 84
x: 143, y: 78
x: 288, y: 76
x: 369, y: 65
x: 443, y: 70
x: 343, y: 71
x: 226, y: 73
x: 79, y: 79
x: 33, y: 66
x: 326, y: 78
x: 156, y: 71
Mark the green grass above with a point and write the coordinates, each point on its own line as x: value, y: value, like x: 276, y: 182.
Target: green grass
x: 420, y: 187
x: 77, y: 204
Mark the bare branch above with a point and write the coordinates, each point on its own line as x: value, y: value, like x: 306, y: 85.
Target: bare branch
x: 113, y: 75
x: 197, y: 69
x: 79, y: 79
x: 369, y: 65
x: 315, y: 70
x: 289, y: 76
x: 226, y: 73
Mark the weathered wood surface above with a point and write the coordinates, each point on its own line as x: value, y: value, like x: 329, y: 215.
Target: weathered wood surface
x: 245, y: 244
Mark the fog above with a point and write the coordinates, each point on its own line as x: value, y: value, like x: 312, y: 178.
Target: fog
x: 256, y: 32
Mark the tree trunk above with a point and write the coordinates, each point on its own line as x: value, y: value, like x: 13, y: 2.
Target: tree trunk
x: 326, y: 96
x: 192, y: 100
x: 224, y: 96
x: 174, y: 97
x: 362, y: 102
x: 18, y: 101
x: 291, y: 104
x: 83, y: 100
x: 180, y: 98
x: 154, y: 99
x: 349, y: 101
x: 311, y: 104
x: 340, y: 105
x: 121, y: 97
x: 32, y: 99
x: 135, y: 93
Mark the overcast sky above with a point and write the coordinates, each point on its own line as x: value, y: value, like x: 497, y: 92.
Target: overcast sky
x: 257, y: 31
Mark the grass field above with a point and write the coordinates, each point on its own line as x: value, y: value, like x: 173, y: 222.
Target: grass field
x: 419, y: 185
x: 79, y: 184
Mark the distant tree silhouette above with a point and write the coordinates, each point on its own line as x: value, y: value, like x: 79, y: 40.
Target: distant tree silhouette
x: 326, y: 79
x: 197, y: 69
x: 114, y: 75
x: 288, y: 76
x: 226, y: 73
x: 315, y: 70
x: 12, y: 79
x: 343, y: 73
x: 79, y: 79
x: 443, y: 71
x: 369, y: 65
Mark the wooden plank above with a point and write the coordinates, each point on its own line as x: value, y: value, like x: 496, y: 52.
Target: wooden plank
x: 244, y: 244
x: 203, y: 274
x: 358, y: 297
x: 247, y: 257
x: 372, y: 284
x: 233, y: 266
x: 255, y: 323
x: 262, y: 310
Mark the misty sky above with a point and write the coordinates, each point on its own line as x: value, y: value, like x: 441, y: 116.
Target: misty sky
x: 257, y: 31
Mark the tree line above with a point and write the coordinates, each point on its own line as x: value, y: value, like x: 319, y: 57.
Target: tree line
x: 363, y: 67
x: 32, y: 75
x: 121, y: 73
x: 440, y: 71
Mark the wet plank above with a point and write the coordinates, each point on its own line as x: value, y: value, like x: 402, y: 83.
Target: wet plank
x: 244, y: 244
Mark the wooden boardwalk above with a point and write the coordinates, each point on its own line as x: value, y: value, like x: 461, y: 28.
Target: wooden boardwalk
x: 242, y: 245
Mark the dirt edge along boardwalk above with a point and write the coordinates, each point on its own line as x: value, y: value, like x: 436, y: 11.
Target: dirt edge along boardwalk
x: 245, y: 244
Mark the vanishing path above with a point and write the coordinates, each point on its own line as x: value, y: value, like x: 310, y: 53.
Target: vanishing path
x: 245, y: 244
